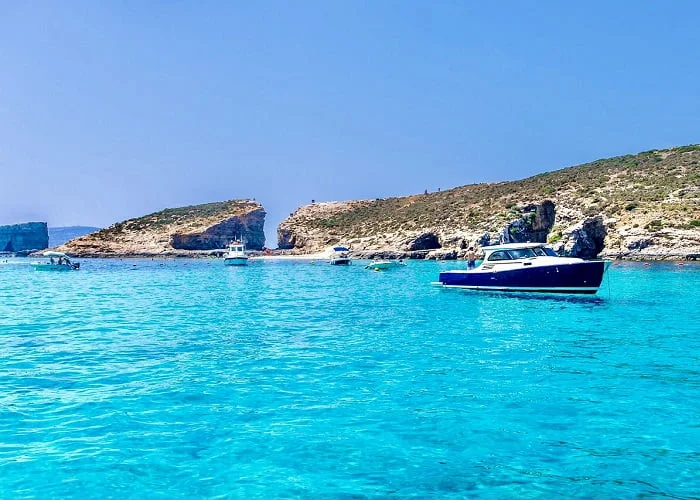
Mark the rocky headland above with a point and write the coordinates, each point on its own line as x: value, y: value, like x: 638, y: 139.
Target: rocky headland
x: 644, y: 206
x: 24, y: 237
x: 186, y: 231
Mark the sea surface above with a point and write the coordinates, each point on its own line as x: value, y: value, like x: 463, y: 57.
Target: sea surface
x: 187, y: 379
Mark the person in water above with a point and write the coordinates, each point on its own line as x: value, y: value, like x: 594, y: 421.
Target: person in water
x: 471, y: 258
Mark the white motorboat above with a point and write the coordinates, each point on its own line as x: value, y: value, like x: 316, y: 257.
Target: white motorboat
x: 339, y: 256
x: 382, y: 265
x: 235, y: 256
x: 57, y: 262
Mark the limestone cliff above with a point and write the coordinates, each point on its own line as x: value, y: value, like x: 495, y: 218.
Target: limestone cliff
x: 644, y: 206
x: 21, y: 237
x: 177, y: 231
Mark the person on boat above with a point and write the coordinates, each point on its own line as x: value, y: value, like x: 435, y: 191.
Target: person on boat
x: 52, y: 261
x: 60, y: 261
x: 471, y: 258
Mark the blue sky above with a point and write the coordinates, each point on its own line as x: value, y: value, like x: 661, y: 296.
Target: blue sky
x: 111, y: 110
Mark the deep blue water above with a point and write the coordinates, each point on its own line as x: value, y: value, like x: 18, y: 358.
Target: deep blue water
x: 187, y: 379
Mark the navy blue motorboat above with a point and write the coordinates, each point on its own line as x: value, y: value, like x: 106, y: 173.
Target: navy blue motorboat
x: 528, y: 267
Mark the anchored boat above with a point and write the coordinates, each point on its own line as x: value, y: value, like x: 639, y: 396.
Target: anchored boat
x: 57, y: 262
x: 382, y: 265
x: 235, y: 256
x: 528, y: 267
x: 339, y: 256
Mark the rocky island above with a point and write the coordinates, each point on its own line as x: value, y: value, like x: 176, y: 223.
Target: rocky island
x: 184, y: 231
x: 643, y: 206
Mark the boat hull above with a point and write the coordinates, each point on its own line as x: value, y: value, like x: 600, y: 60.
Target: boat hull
x: 383, y: 265
x: 53, y: 267
x: 236, y: 261
x: 342, y: 261
x: 582, y: 277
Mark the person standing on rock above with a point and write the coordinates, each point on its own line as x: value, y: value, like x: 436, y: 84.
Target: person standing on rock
x: 471, y: 258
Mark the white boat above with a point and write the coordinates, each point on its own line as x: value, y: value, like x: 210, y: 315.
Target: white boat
x: 235, y: 256
x: 57, y: 262
x: 381, y: 265
x: 339, y: 256
x: 528, y: 267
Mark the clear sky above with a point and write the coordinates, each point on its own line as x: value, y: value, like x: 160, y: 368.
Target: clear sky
x: 111, y: 110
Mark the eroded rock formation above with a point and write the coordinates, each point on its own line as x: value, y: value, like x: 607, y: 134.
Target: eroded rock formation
x: 178, y: 231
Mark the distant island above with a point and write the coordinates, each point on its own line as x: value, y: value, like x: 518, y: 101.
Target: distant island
x: 642, y: 206
x: 25, y: 237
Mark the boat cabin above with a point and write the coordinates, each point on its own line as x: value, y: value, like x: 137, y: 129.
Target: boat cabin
x: 517, y: 251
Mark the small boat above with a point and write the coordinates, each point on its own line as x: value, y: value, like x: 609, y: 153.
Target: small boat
x: 528, y: 267
x: 57, y: 262
x: 381, y: 265
x: 235, y: 256
x: 339, y: 256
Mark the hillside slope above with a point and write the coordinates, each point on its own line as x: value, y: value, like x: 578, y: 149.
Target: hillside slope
x: 176, y: 231
x: 635, y: 206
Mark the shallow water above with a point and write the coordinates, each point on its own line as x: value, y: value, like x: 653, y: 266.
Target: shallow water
x: 185, y: 378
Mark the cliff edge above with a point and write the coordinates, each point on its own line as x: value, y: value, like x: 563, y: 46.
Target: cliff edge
x: 643, y: 206
x: 176, y: 232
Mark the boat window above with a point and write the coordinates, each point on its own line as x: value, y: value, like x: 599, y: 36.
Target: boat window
x: 550, y: 252
x: 500, y: 255
x: 521, y: 253
x: 539, y: 251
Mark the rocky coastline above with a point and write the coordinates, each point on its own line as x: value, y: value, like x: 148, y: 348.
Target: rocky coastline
x: 634, y: 207
x: 194, y: 231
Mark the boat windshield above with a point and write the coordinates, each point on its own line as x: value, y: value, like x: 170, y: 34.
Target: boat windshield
x: 521, y: 253
x: 550, y: 252
x: 500, y: 255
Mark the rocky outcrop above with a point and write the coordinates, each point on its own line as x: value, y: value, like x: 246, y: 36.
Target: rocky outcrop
x: 644, y: 206
x: 534, y: 224
x: 585, y: 239
x: 424, y: 241
x: 249, y: 228
x: 177, y: 232
x: 24, y: 237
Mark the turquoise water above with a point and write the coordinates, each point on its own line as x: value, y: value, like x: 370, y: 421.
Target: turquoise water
x: 187, y: 379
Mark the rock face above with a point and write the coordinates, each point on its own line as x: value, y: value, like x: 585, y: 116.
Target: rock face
x: 425, y: 241
x: 21, y: 237
x: 533, y: 226
x: 644, y: 206
x: 177, y: 231
x: 250, y: 228
x: 585, y: 239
